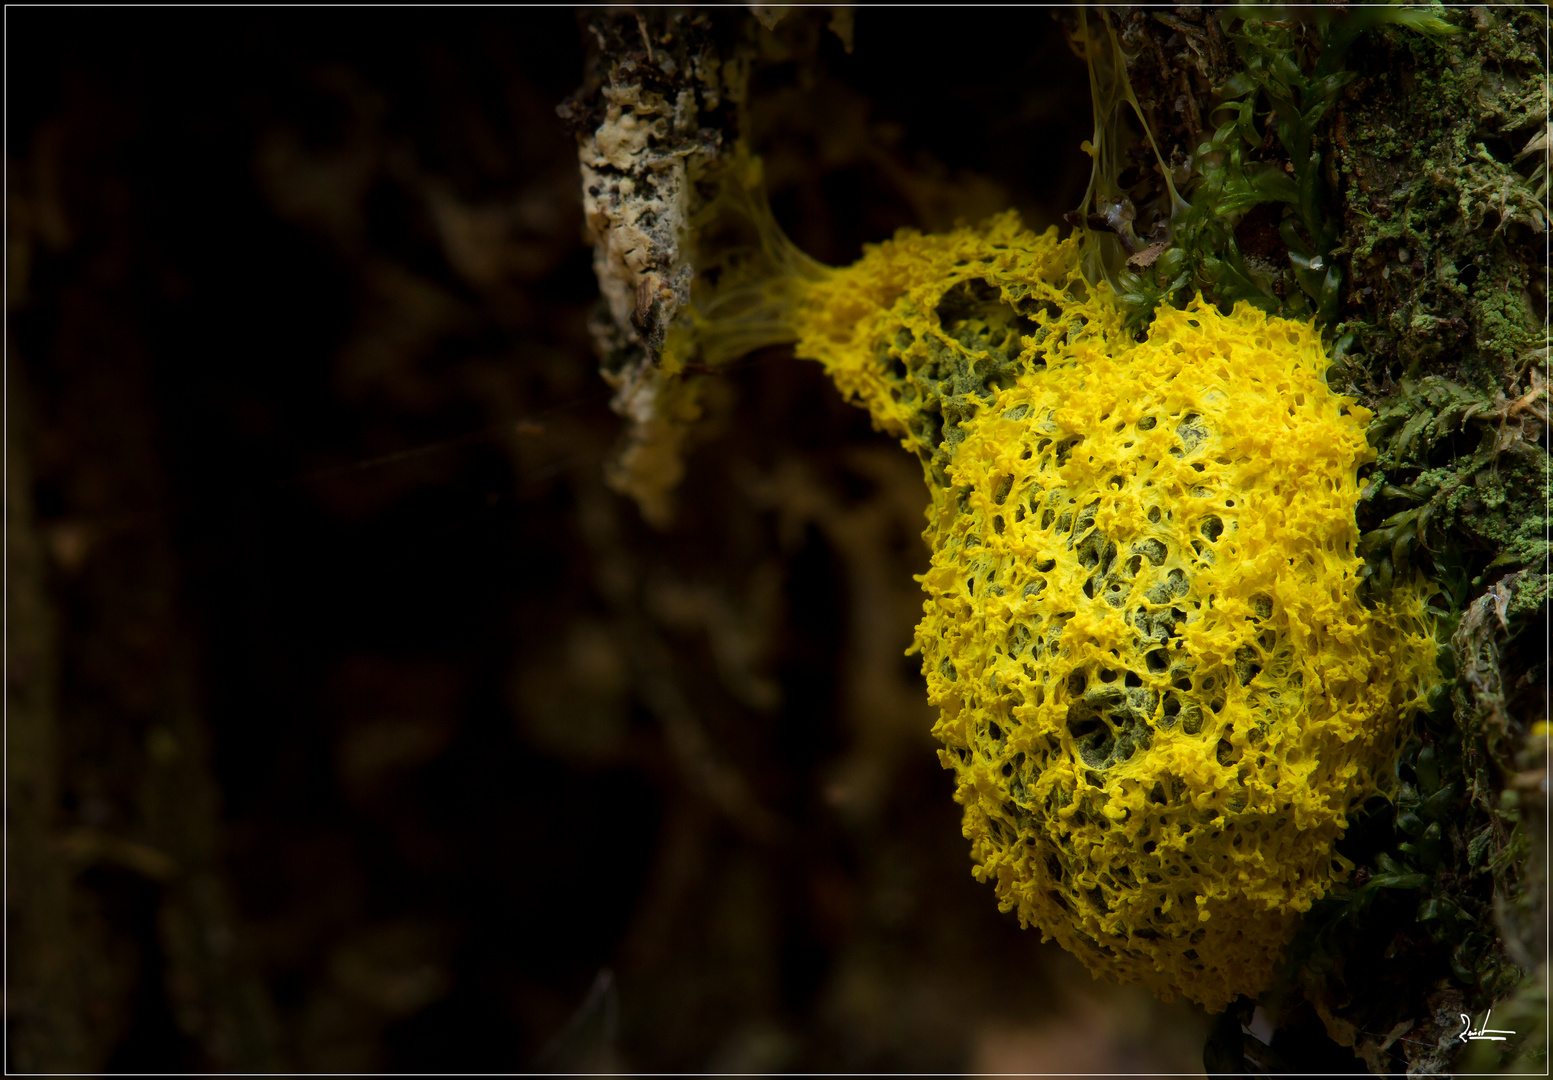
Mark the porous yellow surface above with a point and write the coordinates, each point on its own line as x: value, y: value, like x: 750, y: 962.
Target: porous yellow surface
x: 1159, y: 690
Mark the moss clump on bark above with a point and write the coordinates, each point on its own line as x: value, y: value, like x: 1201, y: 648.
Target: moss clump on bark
x: 1442, y: 205
x: 1385, y: 173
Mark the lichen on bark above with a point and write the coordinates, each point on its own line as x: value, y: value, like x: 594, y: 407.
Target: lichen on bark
x: 659, y: 103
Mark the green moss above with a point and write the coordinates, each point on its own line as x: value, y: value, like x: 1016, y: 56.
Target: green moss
x: 1459, y: 490
x: 1441, y: 221
x: 1506, y: 329
x: 1399, y: 205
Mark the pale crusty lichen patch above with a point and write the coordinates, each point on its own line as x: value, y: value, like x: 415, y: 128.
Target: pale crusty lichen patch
x: 657, y: 113
x: 635, y: 201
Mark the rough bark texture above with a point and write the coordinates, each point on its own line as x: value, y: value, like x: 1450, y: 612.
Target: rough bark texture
x: 662, y: 101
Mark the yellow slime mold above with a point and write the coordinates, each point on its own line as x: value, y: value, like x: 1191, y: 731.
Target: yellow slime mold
x: 1159, y: 690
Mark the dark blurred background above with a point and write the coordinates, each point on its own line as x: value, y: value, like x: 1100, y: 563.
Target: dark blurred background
x: 353, y: 723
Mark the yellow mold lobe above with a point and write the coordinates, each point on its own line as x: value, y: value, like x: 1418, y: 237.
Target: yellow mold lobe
x: 1159, y: 691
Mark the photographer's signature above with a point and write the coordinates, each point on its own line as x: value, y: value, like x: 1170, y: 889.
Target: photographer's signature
x: 1484, y: 1032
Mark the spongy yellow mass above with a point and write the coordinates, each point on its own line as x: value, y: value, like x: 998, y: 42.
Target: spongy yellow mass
x: 1160, y: 692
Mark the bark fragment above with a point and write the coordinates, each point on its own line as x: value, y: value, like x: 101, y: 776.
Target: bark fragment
x: 660, y: 103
